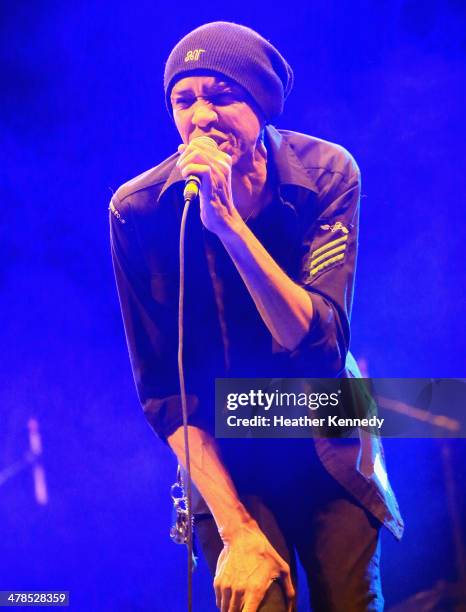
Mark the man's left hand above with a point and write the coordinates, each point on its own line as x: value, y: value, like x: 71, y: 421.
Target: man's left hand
x: 246, y: 567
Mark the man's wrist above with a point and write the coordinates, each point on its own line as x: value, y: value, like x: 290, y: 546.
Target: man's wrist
x: 238, y: 523
x: 233, y: 233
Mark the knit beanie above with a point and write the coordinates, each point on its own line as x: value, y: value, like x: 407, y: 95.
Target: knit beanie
x: 240, y: 54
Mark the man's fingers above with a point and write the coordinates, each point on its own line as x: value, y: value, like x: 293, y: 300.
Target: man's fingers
x: 218, y: 595
x: 197, y: 157
x: 226, y: 597
x: 197, y: 169
x: 252, y: 602
x: 288, y: 586
x: 289, y: 589
x: 236, y: 600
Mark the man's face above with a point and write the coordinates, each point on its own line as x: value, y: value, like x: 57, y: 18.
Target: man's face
x: 216, y: 107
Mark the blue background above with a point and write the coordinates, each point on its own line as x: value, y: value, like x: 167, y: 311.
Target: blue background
x: 82, y: 112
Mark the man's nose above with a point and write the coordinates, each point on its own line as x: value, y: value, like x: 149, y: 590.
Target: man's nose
x: 203, y: 114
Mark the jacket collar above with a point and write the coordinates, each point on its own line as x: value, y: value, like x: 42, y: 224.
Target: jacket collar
x: 289, y: 168
x: 174, y: 178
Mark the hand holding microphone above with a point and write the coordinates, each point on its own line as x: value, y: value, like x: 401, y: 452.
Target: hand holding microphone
x: 207, y: 172
x: 193, y: 182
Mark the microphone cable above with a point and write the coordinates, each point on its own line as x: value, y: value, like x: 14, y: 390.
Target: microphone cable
x: 191, y: 192
x: 188, y: 495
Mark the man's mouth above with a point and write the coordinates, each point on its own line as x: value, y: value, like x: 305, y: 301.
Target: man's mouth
x: 226, y: 144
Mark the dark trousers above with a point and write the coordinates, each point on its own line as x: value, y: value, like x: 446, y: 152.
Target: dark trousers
x: 337, y: 542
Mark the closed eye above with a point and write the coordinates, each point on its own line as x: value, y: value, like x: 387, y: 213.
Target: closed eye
x: 224, y: 98
x: 183, y: 102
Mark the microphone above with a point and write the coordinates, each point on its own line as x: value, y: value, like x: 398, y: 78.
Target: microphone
x: 193, y: 182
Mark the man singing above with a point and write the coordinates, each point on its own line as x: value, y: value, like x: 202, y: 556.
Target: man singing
x: 270, y: 260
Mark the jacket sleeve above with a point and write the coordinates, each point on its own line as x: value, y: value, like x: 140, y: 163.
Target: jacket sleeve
x: 327, y: 273
x: 150, y: 326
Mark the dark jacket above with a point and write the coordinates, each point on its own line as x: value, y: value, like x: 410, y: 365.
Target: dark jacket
x: 311, y: 230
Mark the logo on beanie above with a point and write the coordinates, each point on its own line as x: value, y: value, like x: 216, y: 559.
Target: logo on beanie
x: 193, y: 56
